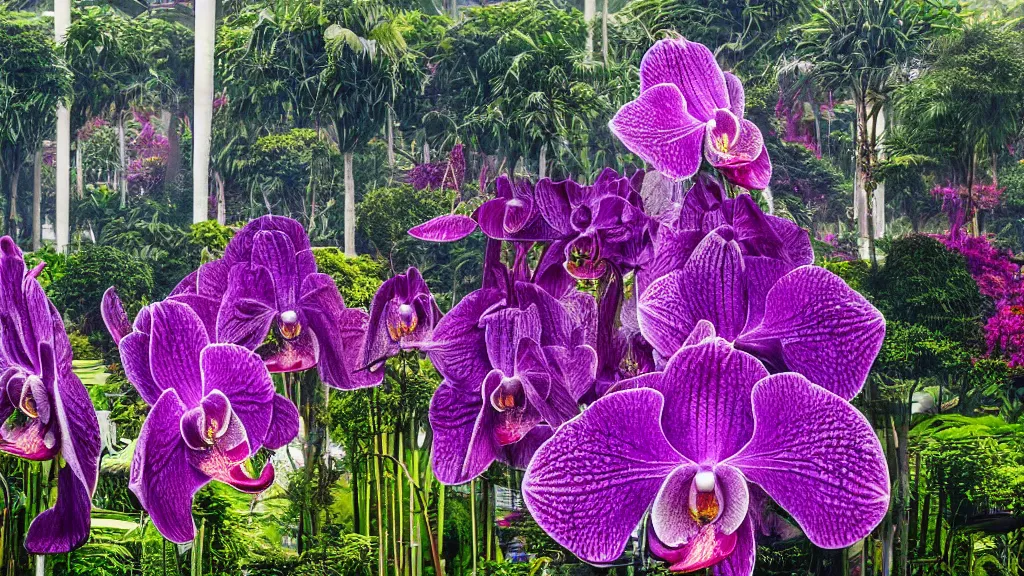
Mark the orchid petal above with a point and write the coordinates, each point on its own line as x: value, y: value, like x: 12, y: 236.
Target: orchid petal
x: 284, y: 424
x: 240, y: 375
x: 161, y: 477
x: 658, y: 128
x: 176, y: 342
x: 818, y: 457
x: 589, y: 485
x: 826, y: 330
x: 737, y: 98
x: 452, y: 416
x: 114, y: 316
x: 447, y: 228
x: 692, y: 68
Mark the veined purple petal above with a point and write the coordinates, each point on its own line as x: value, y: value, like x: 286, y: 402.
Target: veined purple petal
x: 824, y: 330
x: 553, y: 203
x: 240, y: 248
x: 459, y: 349
x: 447, y: 228
x: 64, y: 527
x: 161, y: 476
x: 714, y: 281
x: 134, y: 350
x: 177, y: 339
x: 241, y: 376
x: 340, y: 331
x: 518, y: 455
x: 737, y: 98
x: 249, y: 307
x: 818, y: 457
x: 658, y: 128
x: 114, y: 316
x: 589, y: 485
x: 453, y: 413
x: 707, y: 400
x: 670, y: 513
x: 274, y: 251
x: 692, y: 68
x: 754, y: 175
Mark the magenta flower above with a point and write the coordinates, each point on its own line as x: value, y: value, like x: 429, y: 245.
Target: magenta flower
x: 45, y: 408
x: 514, y: 365
x: 803, y: 319
x: 213, y: 406
x: 688, y: 105
x: 402, y: 317
x: 702, y: 440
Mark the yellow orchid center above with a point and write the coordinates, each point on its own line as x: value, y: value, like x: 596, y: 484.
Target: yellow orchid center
x: 723, y: 143
x: 290, y: 326
x: 704, y: 507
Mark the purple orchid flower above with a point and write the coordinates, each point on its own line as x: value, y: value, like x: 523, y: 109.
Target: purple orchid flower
x: 447, y: 174
x: 213, y: 406
x: 767, y: 242
x: 804, y: 319
x: 402, y: 317
x: 686, y: 105
x: 267, y: 284
x: 515, y: 364
x: 702, y: 439
x: 55, y: 417
x: 599, y: 224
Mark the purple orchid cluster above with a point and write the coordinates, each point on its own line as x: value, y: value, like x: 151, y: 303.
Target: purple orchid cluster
x: 46, y: 409
x: 203, y: 358
x: 703, y: 368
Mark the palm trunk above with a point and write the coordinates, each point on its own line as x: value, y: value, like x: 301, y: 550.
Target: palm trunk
x: 202, y: 121
x: 61, y: 21
x: 222, y: 207
x: 426, y: 151
x: 350, y: 207
x: 12, y: 215
x: 589, y: 11
x: 173, y: 148
x: 542, y: 165
x: 122, y: 181
x: 391, y: 139
x: 604, y: 32
x: 79, y: 174
x: 37, y: 200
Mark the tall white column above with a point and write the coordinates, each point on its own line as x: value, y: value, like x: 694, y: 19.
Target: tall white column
x: 61, y: 21
x: 202, y: 118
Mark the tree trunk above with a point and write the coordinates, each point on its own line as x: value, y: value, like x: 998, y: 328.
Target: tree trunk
x: 454, y: 10
x: 122, y: 152
x: 426, y: 151
x: 173, y: 148
x: 860, y: 203
x: 222, y: 207
x: 350, y: 207
x: 589, y: 11
x: 604, y: 33
x: 79, y: 167
x: 391, y: 139
x: 37, y: 201
x: 61, y: 21
x: 12, y: 214
x: 542, y: 165
x: 202, y: 118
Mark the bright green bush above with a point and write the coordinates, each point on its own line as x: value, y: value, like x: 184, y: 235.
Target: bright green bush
x: 357, y: 278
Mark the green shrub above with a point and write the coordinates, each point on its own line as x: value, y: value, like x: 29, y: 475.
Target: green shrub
x: 924, y: 283
x: 89, y: 273
x: 357, y: 278
x: 211, y: 236
x: 82, y: 348
x: 56, y: 263
x: 386, y: 214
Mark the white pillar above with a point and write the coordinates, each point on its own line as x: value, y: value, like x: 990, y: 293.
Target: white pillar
x: 61, y: 21
x: 202, y: 118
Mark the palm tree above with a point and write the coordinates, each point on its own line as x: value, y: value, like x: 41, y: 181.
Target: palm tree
x: 864, y: 47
